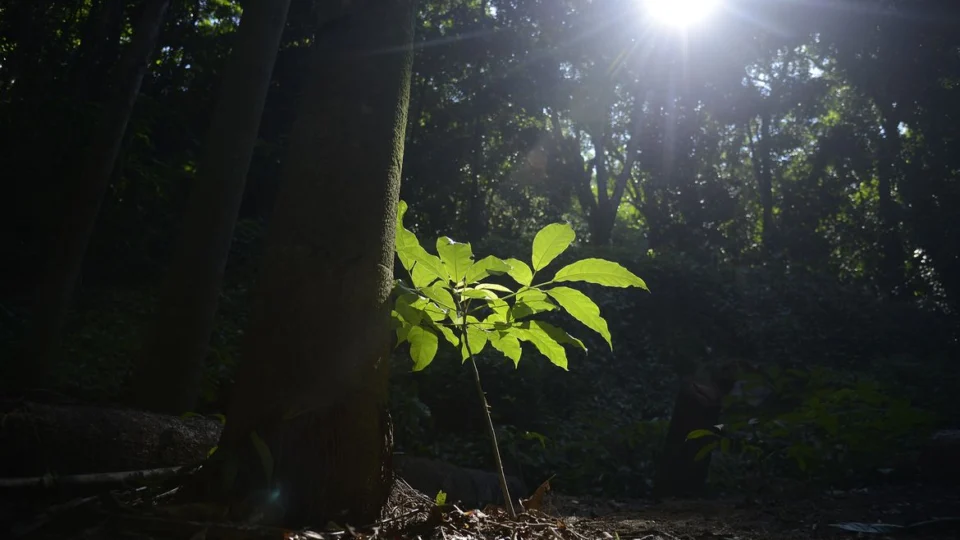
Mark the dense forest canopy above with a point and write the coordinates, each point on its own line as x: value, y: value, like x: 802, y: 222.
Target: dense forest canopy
x: 784, y: 174
x: 816, y: 134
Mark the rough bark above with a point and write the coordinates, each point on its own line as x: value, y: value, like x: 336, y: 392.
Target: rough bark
x: 312, y: 383
x: 65, y: 259
x: 176, y: 346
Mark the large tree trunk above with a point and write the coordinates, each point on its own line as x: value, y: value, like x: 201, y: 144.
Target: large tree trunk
x: 313, y: 380
x: 65, y: 260
x: 176, y: 347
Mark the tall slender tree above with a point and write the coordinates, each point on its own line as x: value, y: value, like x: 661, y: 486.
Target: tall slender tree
x: 308, y: 422
x: 175, y: 348
x: 65, y: 259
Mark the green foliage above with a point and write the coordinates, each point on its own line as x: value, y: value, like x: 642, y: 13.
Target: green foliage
x: 818, y: 423
x: 448, y: 297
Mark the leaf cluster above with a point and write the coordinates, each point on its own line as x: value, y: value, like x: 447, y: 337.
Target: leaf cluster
x: 447, y: 296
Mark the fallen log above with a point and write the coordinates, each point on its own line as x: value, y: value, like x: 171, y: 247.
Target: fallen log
x: 40, y: 439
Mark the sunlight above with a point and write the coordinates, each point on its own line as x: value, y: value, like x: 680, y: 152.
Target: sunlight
x: 680, y: 13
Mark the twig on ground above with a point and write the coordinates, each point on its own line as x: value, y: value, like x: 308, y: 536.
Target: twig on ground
x: 48, y: 481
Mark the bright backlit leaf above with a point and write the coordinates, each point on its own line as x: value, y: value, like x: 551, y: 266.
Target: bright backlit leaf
x: 479, y: 294
x: 456, y: 257
x: 583, y: 309
x: 547, y: 346
x: 551, y: 241
x: 486, y: 266
x: 448, y: 334
x: 423, y: 346
x: 410, y: 307
x: 520, y: 272
x: 530, y: 302
x: 476, y: 339
x: 493, y: 287
x: 559, y: 335
x: 440, y: 295
x: 600, y: 272
x: 508, y: 344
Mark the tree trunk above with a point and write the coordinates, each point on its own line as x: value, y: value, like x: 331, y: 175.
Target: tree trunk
x: 698, y: 406
x: 760, y: 152
x: 312, y: 384
x: 888, y: 164
x: 176, y: 346
x: 65, y: 260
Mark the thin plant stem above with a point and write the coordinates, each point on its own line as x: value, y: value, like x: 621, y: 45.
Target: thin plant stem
x: 490, y: 431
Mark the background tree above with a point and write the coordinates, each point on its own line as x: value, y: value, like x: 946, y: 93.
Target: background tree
x: 176, y: 347
x: 85, y: 195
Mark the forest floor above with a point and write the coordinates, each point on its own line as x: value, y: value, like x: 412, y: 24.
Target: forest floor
x: 135, y: 514
x: 33, y: 434
x: 808, y: 517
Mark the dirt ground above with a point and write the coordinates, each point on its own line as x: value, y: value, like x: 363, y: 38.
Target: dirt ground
x: 785, y: 519
x: 134, y: 514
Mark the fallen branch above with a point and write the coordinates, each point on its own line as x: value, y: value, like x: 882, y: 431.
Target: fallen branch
x: 97, y: 479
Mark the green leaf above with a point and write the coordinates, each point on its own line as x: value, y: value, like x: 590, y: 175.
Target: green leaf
x: 534, y: 436
x: 508, y: 344
x: 410, y: 307
x: 501, y: 308
x: 560, y: 335
x: 699, y: 433
x: 424, y: 268
x: 485, y: 267
x: 456, y: 257
x: 705, y: 451
x: 440, y: 499
x: 401, y: 211
x: 441, y: 295
x: 402, y: 333
x: 520, y: 272
x: 435, y: 312
x: 266, y: 457
x: 479, y: 294
x: 448, y: 334
x: 422, y: 275
x: 601, y: 272
x: 423, y: 346
x: 476, y: 338
x: 530, y: 302
x: 531, y: 332
x: 583, y: 309
x: 551, y: 241
x: 493, y: 287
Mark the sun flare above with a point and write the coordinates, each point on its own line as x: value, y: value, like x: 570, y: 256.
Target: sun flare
x: 680, y: 13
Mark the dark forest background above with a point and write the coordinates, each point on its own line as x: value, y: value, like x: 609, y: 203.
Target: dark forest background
x: 786, y: 180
